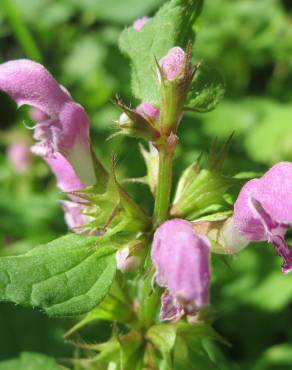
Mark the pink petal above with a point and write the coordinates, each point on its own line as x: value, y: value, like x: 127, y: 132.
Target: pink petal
x: 74, y: 217
x: 28, y: 82
x: 274, y: 192
x: 65, y: 129
x: 181, y: 259
x: 171, y: 309
x: 148, y: 110
x: 172, y: 64
x: 67, y: 180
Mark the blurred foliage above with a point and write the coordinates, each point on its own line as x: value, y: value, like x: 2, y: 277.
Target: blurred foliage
x: 249, y: 42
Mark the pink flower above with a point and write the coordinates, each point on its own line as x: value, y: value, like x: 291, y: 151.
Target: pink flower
x: 140, y: 23
x: 74, y: 216
x: 263, y: 210
x: 173, y: 63
x: 181, y: 259
x: 19, y: 156
x: 66, y: 129
x: 147, y: 110
x: 68, y: 181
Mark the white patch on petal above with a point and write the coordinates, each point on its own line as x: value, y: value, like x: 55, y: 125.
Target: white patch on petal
x: 82, y: 162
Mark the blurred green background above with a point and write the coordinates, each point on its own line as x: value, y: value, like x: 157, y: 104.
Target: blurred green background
x: 250, y: 43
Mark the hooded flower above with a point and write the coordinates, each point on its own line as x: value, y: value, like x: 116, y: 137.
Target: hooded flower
x: 181, y: 259
x: 65, y: 128
x: 263, y: 210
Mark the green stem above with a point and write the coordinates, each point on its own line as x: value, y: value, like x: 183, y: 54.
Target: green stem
x: 162, y: 199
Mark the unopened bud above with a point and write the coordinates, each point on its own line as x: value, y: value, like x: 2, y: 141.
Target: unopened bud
x: 174, y: 75
x: 148, y: 111
x: 140, y: 23
x: 139, y: 122
x: 173, y: 63
x: 151, y: 158
x: 124, y: 121
x: 126, y: 262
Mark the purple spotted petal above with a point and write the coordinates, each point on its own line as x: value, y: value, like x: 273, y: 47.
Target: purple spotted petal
x: 181, y: 259
x: 274, y: 234
x: 171, y: 309
x: 284, y: 251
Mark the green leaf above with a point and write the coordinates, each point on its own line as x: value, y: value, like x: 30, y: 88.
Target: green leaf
x: 69, y: 276
x: 30, y: 361
x: 115, y: 307
x: 207, y: 90
x: 171, y: 26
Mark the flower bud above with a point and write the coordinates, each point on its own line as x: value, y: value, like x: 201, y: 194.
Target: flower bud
x: 139, y: 122
x: 130, y: 257
x: 148, y: 111
x: 124, y: 121
x: 151, y: 158
x: 174, y: 75
x: 181, y: 259
x: 140, y: 23
x: 173, y: 63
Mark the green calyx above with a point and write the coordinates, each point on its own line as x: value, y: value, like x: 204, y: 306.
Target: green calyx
x: 173, y: 94
x: 112, y: 211
x: 200, y: 192
x: 135, y: 125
